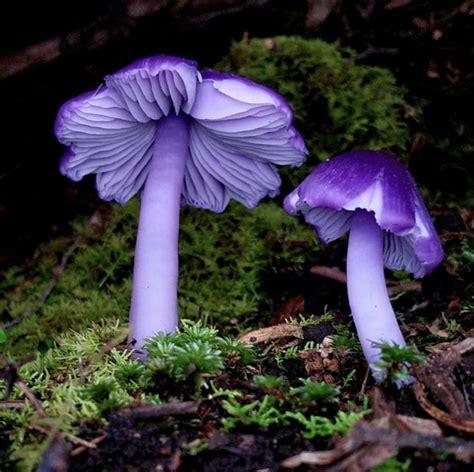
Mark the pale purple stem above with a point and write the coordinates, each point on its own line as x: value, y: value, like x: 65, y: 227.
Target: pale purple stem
x: 154, y: 306
x: 372, y: 312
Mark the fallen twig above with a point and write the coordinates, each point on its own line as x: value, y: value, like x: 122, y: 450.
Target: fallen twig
x: 272, y: 332
x: 35, y: 403
x: 12, y: 404
x: 455, y: 422
x: 336, y: 274
x: 79, y: 450
x: 437, y: 376
x: 333, y: 273
x: 378, y: 444
x: 168, y: 409
x: 70, y: 437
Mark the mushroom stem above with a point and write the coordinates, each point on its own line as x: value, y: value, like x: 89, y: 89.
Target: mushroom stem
x: 372, y: 311
x: 154, y: 306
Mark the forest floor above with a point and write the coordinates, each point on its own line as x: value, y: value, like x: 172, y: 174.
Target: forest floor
x: 271, y: 377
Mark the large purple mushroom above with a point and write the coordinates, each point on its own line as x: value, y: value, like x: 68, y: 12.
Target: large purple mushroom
x: 178, y: 137
x: 373, y: 196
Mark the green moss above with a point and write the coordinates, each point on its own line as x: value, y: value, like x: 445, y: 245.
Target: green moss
x: 88, y: 373
x: 393, y: 465
x: 223, y: 261
x: 338, y: 105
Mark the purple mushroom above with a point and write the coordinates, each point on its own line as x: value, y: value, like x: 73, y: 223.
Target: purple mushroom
x: 179, y: 137
x: 373, y: 196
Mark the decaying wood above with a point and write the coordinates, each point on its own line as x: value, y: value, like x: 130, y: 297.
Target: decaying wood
x: 436, y: 379
x: 283, y: 330
x: 379, y: 443
x: 455, y: 422
x: 371, y: 444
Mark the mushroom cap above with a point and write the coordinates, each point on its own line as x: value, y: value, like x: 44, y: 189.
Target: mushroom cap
x: 374, y: 181
x: 238, y: 131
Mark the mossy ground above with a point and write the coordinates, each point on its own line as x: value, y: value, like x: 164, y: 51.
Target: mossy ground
x: 239, y: 270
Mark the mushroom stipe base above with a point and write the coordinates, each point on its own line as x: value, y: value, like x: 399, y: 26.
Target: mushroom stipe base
x: 371, y: 309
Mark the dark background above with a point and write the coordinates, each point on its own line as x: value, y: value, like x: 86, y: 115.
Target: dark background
x: 53, y: 50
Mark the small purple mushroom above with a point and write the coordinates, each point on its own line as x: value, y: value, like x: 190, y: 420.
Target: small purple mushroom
x: 373, y: 196
x: 179, y: 137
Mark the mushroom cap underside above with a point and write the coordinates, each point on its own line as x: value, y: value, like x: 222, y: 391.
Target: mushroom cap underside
x: 238, y: 131
x: 377, y: 182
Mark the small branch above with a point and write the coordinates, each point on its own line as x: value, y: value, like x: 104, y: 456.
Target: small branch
x: 369, y: 442
x: 35, y: 403
x: 333, y: 273
x: 12, y: 404
x: 70, y: 437
x: 77, y: 441
x: 336, y: 274
x: 79, y: 450
x: 168, y: 409
x: 455, y: 422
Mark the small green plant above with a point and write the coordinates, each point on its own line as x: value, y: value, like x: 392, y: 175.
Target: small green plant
x: 269, y: 382
x: 348, y: 379
x: 262, y: 413
x: 396, y: 360
x: 302, y: 320
x: 127, y: 371
x: 105, y: 394
x: 311, y: 320
x: 286, y: 354
x: 453, y: 327
x: 345, y: 338
x: 195, y: 447
x: 393, y: 465
x: 233, y: 348
x: 322, y: 426
x: 319, y: 392
x: 196, y: 352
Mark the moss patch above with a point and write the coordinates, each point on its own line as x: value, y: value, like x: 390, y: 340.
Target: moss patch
x: 338, y: 105
x: 224, y: 260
